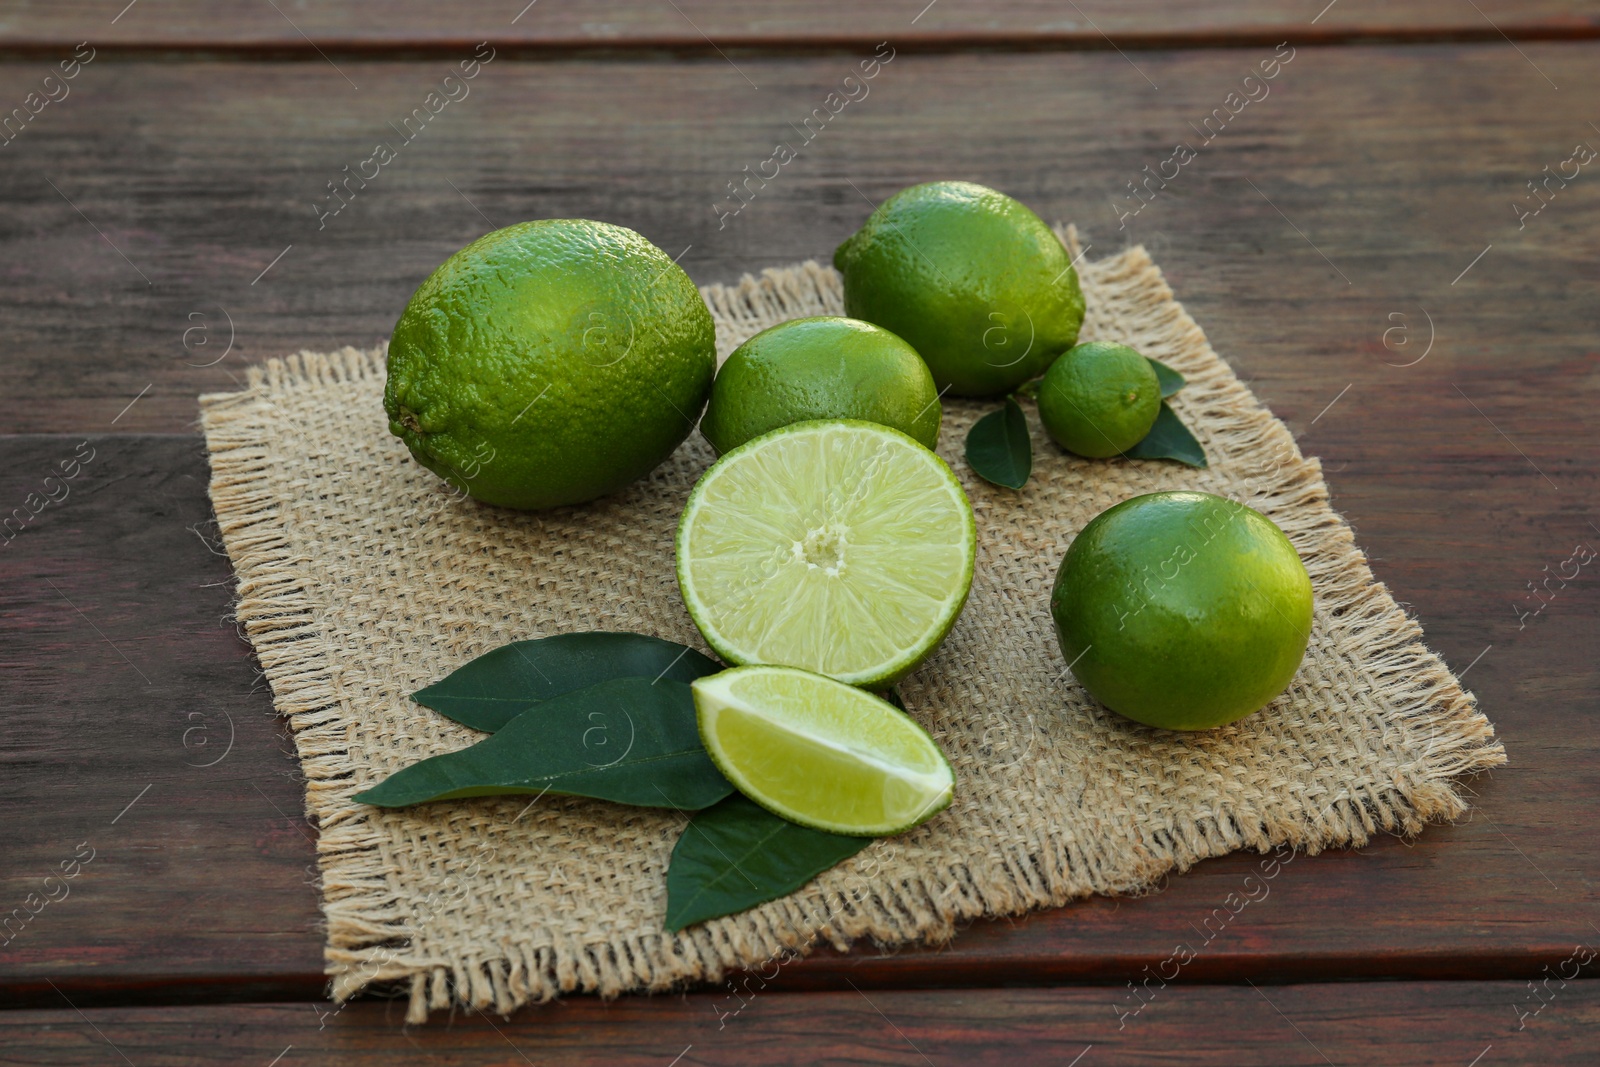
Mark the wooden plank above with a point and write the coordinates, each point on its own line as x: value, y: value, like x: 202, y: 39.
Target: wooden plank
x: 123, y: 673
x: 1441, y: 466
x: 221, y: 168
x: 139, y: 741
x: 704, y: 26
x: 1458, y: 1023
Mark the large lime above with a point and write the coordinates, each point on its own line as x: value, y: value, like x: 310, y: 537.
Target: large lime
x: 841, y: 547
x: 1183, y: 610
x: 821, y: 753
x: 549, y: 363
x: 976, y: 282
x: 1099, y: 399
x: 821, y: 368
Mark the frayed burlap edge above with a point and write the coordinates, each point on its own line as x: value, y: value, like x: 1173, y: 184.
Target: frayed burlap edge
x: 364, y: 914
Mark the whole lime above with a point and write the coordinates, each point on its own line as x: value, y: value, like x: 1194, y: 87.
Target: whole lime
x: 1182, y: 610
x: 1099, y: 399
x: 976, y: 282
x: 821, y: 368
x: 549, y: 363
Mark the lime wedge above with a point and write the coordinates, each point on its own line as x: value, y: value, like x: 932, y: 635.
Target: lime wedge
x: 838, y: 546
x: 821, y: 753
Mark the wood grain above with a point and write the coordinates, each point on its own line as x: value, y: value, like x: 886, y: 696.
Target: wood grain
x: 1354, y: 193
x: 1395, y: 1024
x: 123, y: 671
x: 124, y: 683
x: 416, y: 27
x: 221, y: 168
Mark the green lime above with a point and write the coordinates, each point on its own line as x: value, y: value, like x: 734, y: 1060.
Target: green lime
x: 841, y: 547
x: 1182, y: 610
x: 821, y: 753
x: 976, y: 282
x: 1099, y: 399
x: 821, y: 368
x: 549, y: 363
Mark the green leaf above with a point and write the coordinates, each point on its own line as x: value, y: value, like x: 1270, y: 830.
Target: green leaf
x: 628, y: 739
x: 999, y: 448
x: 495, y: 688
x: 738, y: 854
x: 1169, y: 438
x: 1171, y: 381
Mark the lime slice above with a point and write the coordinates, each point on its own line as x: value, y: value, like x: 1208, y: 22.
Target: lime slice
x: 839, y: 546
x: 821, y: 753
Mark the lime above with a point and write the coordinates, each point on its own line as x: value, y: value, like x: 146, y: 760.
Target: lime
x: 1099, y: 399
x: 821, y: 368
x: 1183, y: 610
x: 838, y: 546
x: 976, y: 282
x: 549, y: 363
x: 821, y: 753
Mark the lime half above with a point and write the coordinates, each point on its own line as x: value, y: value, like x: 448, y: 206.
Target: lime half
x: 821, y: 753
x: 838, y: 546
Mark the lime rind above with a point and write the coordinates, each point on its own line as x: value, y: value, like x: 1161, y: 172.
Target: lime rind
x: 821, y: 753
x: 1099, y: 399
x: 821, y: 367
x: 515, y: 361
x: 771, y: 529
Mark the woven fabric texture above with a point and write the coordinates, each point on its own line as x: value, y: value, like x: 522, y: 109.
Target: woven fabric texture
x: 363, y: 577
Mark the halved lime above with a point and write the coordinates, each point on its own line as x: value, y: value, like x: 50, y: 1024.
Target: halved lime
x: 821, y: 753
x: 839, y: 546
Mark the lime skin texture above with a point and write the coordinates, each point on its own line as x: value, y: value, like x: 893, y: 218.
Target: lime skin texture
x: 1099, y: 399
x: 550, y: 363
x: 1182, y: 610
x: 974, y: 280
x: 821, y: 368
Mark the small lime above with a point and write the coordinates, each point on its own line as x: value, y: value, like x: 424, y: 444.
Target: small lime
x: 549, y: 363
x: 821, y: 368
x: 1182, y: 610
x: 975, y: 281
x: 1099, y: 399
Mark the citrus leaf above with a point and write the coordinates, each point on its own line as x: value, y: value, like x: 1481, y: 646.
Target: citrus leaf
x: 627, y: 739
x: 999, y: 449
x: 1169, y: 438
x: 738, y: 854
x: 1171, y: 381
x: 495, y: 688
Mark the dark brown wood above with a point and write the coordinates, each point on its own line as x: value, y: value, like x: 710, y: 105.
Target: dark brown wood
x: 419, y: 27
x: 124, y: 682
x: 202, y: 890
x: 1365, y: 187
x: 1395, y: 1024
x: 220, y: 168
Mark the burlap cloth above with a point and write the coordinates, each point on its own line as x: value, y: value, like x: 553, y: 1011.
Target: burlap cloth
x: 363, y: 578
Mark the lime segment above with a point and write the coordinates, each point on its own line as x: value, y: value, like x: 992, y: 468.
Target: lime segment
x: 841, y: 547
x: 821, y: 753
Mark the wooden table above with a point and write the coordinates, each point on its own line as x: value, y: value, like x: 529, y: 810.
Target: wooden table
x: 1350, y: 242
